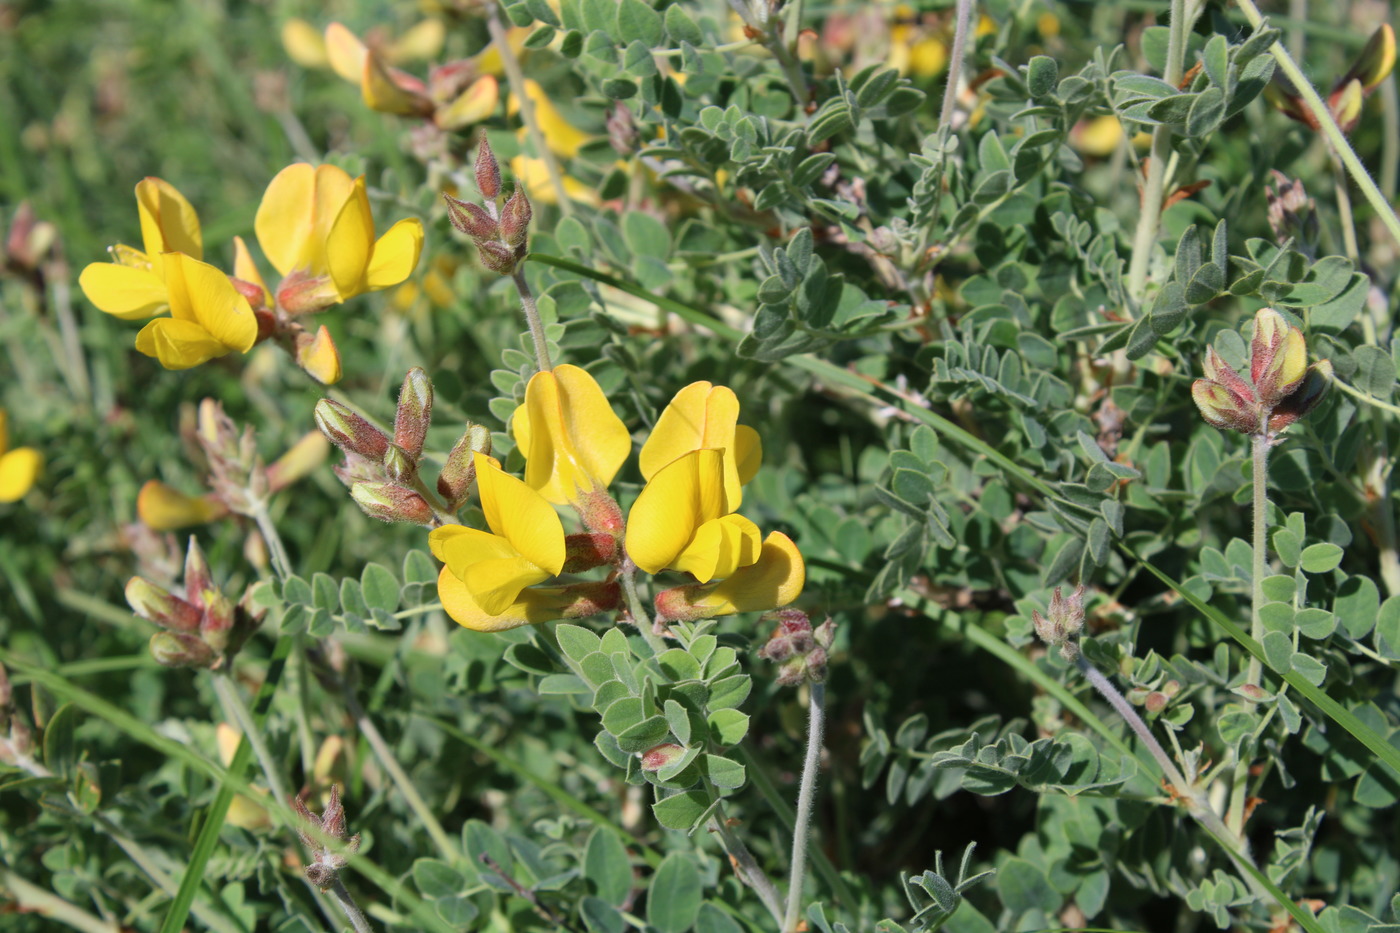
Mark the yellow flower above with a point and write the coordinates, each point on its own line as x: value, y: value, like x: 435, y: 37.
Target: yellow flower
x: 304, y: 44
x: 134, y: 287
x: 525, y: 545
x: 532, y: 606
x: 774, y: 580
x: 562, y: 137
x: 683, y: 520
x: 208, y: 317
x: 533, y: 175
x: 163, y: 508
x: 19, y: 468
x: 315, y: 225
x: 573, y: 442
x: 702, y: 416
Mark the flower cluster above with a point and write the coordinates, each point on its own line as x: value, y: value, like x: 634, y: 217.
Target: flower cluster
x: 1282, y: 387
x: 316, y: 229
x: 1062, y: 622
x: 799, y: 650
x: 685, y: 519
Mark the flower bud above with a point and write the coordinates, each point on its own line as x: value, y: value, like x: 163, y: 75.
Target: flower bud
x: 1156, y: 702
x: 515, y: 218
x: 414, y: 413
x: 661, y: 756
x: 158, y: 605
x: 1304, y: 398
x: 390, y: 503
x: 1278, y: 357
x: 357, y: 469
x: 29, y: 239
x: 1065, y: 618
x: 198, y: 578
x: 250, y: 290
x: 349, y: 431
x: 600, y: 512
x: 498, y: 258
x: 591, y: 598
x: 176, y: 649
x: 622, y: 129
x: 488, y: 171
x: 459, y: 473
x: 300, y: 459
x: 218, y: 620
x: 303, y: 293
x: 586, y: 551
x: 1292, y: 214
x: 397, y: 465
x: 472, y: 219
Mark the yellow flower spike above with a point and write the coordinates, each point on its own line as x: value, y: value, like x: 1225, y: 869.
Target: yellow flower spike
x: 774, y: 580
x: 19, y: 468
x: 303, y: 44
x: 524, y: 546
x: 700, y: 416
x: 345, y: 52
x: 162, y: 508
x: 208, y: 317
x: 476, y: 103
x: 682, y: 520
x: 562, y: 137
x: 573, y: 442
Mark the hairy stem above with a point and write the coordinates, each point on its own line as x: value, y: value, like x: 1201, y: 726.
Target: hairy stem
x: 1183, y: 16
x: 806, y: 791
x: 532, y: 318
x: 516, y: 77
x: 638, y: 607
x: 236, y: 710
x: 352, y: 910
x: 962, y: 27
x: 277, y: 551
x: 745, y: 865
x: 1348, y: 222
x: 1260, y: 529
x: 32, y: 899
x: 1340, y: 144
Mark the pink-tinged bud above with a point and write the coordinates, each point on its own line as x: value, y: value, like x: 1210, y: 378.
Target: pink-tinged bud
x: 1222, y: 408
x: 1291, y: 212
x: 459, y: 473
x: 498, y: 258
x: 1278, y: 357
x: 158, y: 605
x: 800, y: 650
x: 398, y: 467
x: 488, y: 171
x: 357, y: 469
x: 826, y: 633
x: 662, y: 756
x: 349, y: 431
x: 176, y: 649
x: 515, y: 218
x: 586, y: 551
x: 622, y: 130
x: 1304, y: 398
x: 778, y: 648
x: 249, y: 290
x: 390, y: 503
x: 29, y: 239
x: 1059, y: 628
x: 218, y: 620
x: 1217, y: 370
x: 414, y: 413
x: 1171, y: 688
x: 303, y: 293
x: 600, y: 512
x: 471, y: 219
x: 793, y: 673
x: 591, y: 598
x: 816, y: 666
x: 1156, y: 702
x: 198, y: 577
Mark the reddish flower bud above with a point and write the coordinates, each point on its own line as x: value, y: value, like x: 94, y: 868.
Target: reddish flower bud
x: 1156, y: 702
x: 586, y: 551
x: 198, y: 577
x: 488, y: 171
x: 252, y: 292
x: 591, y: 598
x: 176, y: 649
x: 390, y: 503
x: 661, y: 756
x: 498, y: 257
x: 1065, y: 619
x: 600, y: 512
x: 414, y: 413
x: 303, y: 293
x: 515, y: 218
x: 459, y: 473
x: 158, y: 605
x: 349, y: 431
x: 218, y: 620
x: 397, y: 465
x: 472, y: 219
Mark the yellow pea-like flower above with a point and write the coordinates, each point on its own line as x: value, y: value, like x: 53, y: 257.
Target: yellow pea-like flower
x: 208, y: 317
x: 525, y: 545
x: 701, y: 416
x: 19, y: 468
x: 683, y: 520
x: 134, y: 288
x: 772, y: 581
x: 315, y: 222
x: 163, y: 508
x: 531, y: 606
x: 573, y: 442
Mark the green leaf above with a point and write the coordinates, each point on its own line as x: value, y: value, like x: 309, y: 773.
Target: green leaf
x: 728, y: 726
x: 325, y: 593
x: 436, y: 879
x: 679, y: 721
x: 729, y: 692
x: 681, y: 811
x: 637, y: 20
x: 675, y: 894
x: 1320, y: 558
x: 1312, y: 670
x: 381, y: 590
x: 1207, y: 111
x: 680, y: 27
x: 607, y: 868
x: 1357, y: 605
x: 576, y: 641
x: 1388, y: 628
x: 722, y: 772
x: 600, y: 916
x: 713, y: 920
x: 60, y: 749
x: 1375, y: 371
x: 296, y: 590
x: 1041, y: 74
x: 678, y: 665
x: 1024, y: 887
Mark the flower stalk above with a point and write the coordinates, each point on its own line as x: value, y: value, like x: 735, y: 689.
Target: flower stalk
x: 806, y: 793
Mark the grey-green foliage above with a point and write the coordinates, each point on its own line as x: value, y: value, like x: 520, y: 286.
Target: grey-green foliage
x: 357, y: 605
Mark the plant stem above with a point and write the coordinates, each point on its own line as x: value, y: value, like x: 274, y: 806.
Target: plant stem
x: 1260, y: 527
x: 352, y: 910
x: 1340, y: 144
x: 405, y: 784
x: 961, y: 28
x: 638, y: 608
x: 1363, y: 397
x: 236, y: 710
x: 1150, y: 215
x: 1345, y: 218
x: 516, y: 77
x: 806, y: 791
x: 532, y: 319
x: 745, y: 865
x: 30, y: 898
x: 276, y: 550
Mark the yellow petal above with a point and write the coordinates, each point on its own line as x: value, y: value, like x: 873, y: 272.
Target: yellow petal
x: 162, y: 508
x: 1346, y: 105
x: 533, y: 175
x: 491, y: 567
x: 774, y: 580
x: 395, y: 254
x: 303, y: 44
x: 201, y: 293
x: 575, y: 441
x: 283, y: 222
x: 928, y: 57
x: 320, y: 357
x: 720, y: 547
x: 520, y: 515
x: 701, y: 416
x: 300, y: 459
x: 350, y: 242
x: 473, y: 105
x: 533, y: 606
x: 246, y: 269
x: 178, y: 344
x: 489, y: 61
x: 346, y: 53
x: 123, y: 291
x: 1098, y: 136
x: 562, y: 137
x: 383, y: 93
x: 420, y: 43
x: 748, y: 453
x: 168, y: 221
x: 19, y: 468
x: 681, y: 497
